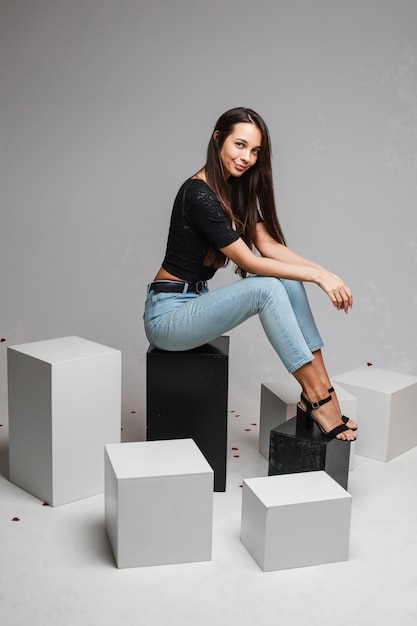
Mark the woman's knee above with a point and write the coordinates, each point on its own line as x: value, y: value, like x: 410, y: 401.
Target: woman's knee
x: 270, y: 286
x: 265, y: 282
x: 267, y: 290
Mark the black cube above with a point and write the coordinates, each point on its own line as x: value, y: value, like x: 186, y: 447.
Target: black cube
x: 187, y: 398
x: 298, y: 445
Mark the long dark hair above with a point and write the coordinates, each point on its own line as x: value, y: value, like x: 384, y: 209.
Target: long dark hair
x: 244, y: 197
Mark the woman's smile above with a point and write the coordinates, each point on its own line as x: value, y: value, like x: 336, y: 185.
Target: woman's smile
x: 241, y: 149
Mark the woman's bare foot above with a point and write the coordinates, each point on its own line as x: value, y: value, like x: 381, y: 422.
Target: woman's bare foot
x: 328, y: 417
x: 323, y: 409
x: 350, y: 423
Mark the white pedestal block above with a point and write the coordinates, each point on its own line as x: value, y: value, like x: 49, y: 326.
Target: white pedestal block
x: 279, y: 403
x: 158, y: 502
x: 64, y: 405
x: 386, y: 411
x: 295, y: 520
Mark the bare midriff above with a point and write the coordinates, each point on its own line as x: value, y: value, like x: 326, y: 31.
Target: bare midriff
x: 164, y: 275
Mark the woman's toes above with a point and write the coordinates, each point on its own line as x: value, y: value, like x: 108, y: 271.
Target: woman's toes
x: 347, y: 435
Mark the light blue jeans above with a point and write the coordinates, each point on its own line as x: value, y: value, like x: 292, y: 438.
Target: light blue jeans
x: 181, y: 321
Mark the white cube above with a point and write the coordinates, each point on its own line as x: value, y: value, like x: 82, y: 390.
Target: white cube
x: 295, y: 520
x: 279, y: 403
x: 64, y: 405
x: 158, y: 502
x: 386, y: 411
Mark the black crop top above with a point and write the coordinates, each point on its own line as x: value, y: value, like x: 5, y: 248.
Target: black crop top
x: 197, y: 222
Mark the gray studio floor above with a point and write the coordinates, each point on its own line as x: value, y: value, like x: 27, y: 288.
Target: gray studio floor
x: 57, y: 567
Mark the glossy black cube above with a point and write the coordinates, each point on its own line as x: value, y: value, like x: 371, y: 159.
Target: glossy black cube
x: 298, y: 445
x: 187, y: 398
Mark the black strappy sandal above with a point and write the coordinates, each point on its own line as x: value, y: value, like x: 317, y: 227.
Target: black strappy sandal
x: 311, y: 406
x: 344, y: 418
x: 302, y: 413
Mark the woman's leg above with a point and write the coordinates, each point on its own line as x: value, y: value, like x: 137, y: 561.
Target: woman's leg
x: 321, y: 370
x: 302, y: 311
x: 184, y: 321
x: 328, y: 416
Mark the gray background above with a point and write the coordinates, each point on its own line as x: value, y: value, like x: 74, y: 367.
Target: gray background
x: 107, y: 106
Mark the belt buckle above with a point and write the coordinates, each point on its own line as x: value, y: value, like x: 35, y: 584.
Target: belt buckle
x: 199, y: 286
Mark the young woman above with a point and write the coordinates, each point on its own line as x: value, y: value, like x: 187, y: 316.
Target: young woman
x: 226, y: 211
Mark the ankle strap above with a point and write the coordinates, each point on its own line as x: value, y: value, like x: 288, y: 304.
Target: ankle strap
x: 319, y: 403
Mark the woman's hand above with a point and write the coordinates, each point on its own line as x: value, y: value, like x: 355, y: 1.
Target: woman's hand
x: 283, y: 263
x: 338, y: 292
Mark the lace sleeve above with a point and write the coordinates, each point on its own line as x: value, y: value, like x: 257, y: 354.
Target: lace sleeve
x: 205, y: 212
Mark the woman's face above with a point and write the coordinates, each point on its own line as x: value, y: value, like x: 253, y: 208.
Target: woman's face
x: 241, y: 149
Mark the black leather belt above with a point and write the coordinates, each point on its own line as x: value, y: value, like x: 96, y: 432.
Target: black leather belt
x: 162, y: 286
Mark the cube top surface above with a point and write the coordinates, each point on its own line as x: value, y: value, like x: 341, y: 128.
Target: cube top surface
x: 286, y: 391
x: 302, y: 428
x: 287, y: 489
x: 63, y: 349
x: 376, y: 379
x: 145, y: 459
x: 217, y: 347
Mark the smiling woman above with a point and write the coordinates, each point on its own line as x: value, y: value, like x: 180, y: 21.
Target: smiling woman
x: 226, y: 212
x: 240, y: 149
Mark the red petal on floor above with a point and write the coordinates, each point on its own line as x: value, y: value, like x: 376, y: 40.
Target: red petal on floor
x: 16, y: 519
x: 236, y: 456
x: 232, y: 411
x: 247, y: 429
x: 241, y: 486
x: 369, y: 364
x: 237, y: 414
x: 133, y: 412
x: 235, y: 448
x: 2, y: 339
x: 253, y: 424
x: 46, y: 504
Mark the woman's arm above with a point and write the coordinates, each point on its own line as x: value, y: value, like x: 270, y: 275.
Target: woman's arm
x: 284, y: 263
x: 271, y: 249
